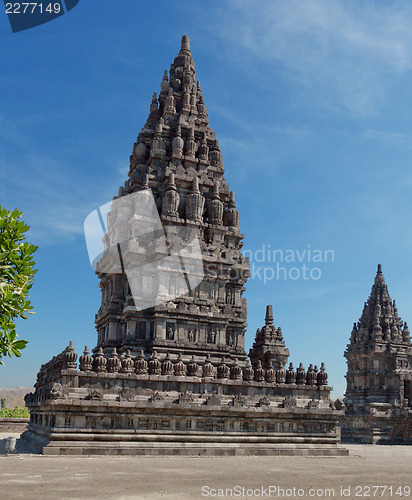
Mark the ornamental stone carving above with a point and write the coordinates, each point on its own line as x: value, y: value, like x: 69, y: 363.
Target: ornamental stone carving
x: 215, y: 155
x: 289, y: 402
x: 70, y: 357
x: 300, y: 374
x: 177, y: 143
x: 259, y: 372
x: 127, y: 364
x: 193, y: 367
x: 179, y: 367
x: 203, y: 150
x: 208, y: 370
x: 235, y: 370
x: 280, y: 376
x: 291, y: 375
x: 167, y: 366
x: 170, y: 198
x: 215, y: 207
x: 222, y: 370
x: 231, y: 215
x: 99, y: 361
x: 85, y: 361
x: 113, y: 363
x: 195, y: 203
x: 248, y: 372
x: 141, y: 366
x: 270, y: 375
x: 155, y: 367
x: 186, y: 398
x: 322, y: 377
x: 311, y: 376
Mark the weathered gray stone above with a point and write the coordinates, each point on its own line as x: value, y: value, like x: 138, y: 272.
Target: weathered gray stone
x: 379, y: 379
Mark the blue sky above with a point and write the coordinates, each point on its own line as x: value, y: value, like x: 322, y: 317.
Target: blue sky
x: 311, y: 103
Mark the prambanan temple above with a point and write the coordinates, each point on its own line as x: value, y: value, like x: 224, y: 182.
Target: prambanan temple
x: 173, y: 377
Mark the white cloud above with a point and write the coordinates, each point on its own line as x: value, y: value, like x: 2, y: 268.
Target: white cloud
x: 344, y: 53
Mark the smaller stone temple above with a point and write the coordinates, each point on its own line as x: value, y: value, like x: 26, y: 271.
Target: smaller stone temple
x: 269, y: 346
x: 379, y: 377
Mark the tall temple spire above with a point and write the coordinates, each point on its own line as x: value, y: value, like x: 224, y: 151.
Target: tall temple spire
x: 177, y: 154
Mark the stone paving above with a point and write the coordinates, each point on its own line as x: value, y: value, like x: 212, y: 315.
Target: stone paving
x: 29, y: 476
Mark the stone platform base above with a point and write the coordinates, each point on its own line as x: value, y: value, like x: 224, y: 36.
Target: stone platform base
x: 172, y: 445
x: 393, y: 429
x: 99, y: 413
x: 13, y: 424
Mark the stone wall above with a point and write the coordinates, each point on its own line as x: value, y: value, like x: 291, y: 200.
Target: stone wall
x: 163, y: 406
x: 13, y: 424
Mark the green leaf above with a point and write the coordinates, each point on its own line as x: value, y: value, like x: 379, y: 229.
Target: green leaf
x: 16, y: 279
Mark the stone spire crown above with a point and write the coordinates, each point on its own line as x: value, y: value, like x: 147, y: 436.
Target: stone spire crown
x: 379, y: 320
x: 379, y: 312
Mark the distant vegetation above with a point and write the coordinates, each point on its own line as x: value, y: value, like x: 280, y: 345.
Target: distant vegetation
x: 16, y: 412
x: 12, y: 397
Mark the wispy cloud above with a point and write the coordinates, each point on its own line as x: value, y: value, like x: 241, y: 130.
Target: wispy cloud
x: 389, y: 137
x: 343, y: 53
x: 257, y: 128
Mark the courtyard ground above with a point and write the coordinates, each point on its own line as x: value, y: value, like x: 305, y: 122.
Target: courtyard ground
x: 29, y: 476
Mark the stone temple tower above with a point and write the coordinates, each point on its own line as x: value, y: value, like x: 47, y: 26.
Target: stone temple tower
x: 169, y: 374
x: 177, y: 156
x: 379, y: 358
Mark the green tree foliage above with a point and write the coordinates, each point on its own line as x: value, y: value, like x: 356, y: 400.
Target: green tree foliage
x: 16, y: 412
x: 16, y: 279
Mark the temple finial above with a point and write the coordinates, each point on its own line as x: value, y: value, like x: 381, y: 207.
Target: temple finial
x: 185, y: 47
x: 269, y: 315
x: 379, y: 268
